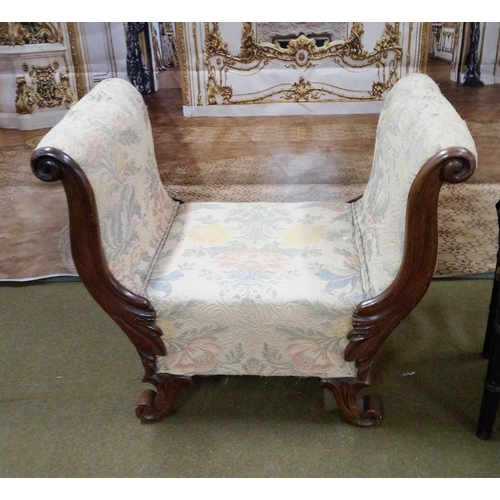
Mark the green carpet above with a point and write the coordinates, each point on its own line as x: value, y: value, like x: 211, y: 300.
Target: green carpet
x: 70, y: 381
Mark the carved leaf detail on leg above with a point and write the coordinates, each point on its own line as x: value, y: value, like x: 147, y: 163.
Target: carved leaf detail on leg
x: 154, y: 406
x: 357, y: 410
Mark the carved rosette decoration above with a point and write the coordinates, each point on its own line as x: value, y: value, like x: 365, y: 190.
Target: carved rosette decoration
x: 28, y: 33
x: 301, y: 54
x: 45, y: 91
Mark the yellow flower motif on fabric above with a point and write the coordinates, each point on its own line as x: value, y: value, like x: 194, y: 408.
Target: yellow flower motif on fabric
x: 303, y: 234
x: 402, y: 170
x: 167, y: 327
x: 342, y: 326
x: 211, y: 234
x: 101, y: 192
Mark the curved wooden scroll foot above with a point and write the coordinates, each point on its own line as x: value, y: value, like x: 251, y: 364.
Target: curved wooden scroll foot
x: 156, y: 405
x: 358, y: 410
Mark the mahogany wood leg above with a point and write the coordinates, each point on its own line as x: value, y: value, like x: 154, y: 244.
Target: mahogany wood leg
x: 358, y: 410
x: 156, y: 405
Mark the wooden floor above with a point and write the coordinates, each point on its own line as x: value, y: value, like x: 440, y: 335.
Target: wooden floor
x: 479, y: 105
x: 476, y: 105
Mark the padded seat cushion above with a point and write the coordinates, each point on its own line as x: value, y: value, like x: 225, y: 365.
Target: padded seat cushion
x: 257, y: 289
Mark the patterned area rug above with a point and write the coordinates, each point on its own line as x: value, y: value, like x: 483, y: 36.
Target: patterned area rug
x: 34, y: 220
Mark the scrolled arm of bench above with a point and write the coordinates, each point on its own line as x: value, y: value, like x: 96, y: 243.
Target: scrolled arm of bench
x: 375, y: 318
x: 133, y: 313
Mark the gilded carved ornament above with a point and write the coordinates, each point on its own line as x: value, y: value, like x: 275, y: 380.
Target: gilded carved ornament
x: 214, y: 45
x: 214, y: 90
x: 424, y: 47
x: 302, y: 91
x: 408, y: 51
x: 181, y: 41
x: 377, y: 90
x: 25, y: 98
x: 28, y: 33
x: 69, y: 96
x: 282, y: 32
x: 354, y: 41
x: 77, y: 57
x: 44, y: 91
x: 300, y: 49
x: 390, y: 38
x: 301, y: 53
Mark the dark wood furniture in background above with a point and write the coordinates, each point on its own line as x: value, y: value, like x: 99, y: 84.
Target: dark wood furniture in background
x: 491, y: 351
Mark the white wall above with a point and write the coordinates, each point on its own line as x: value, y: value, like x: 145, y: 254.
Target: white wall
x: 104, y: 46
x: 489, y: 52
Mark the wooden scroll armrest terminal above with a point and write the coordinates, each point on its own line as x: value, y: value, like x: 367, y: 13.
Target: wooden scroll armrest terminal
x: 306, y: 289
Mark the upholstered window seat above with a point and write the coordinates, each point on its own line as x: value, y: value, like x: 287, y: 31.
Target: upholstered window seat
x: 273, y: 289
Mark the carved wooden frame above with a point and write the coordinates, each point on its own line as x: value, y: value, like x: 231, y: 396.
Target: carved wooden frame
x: 133, y: 313
x: 374, y: 319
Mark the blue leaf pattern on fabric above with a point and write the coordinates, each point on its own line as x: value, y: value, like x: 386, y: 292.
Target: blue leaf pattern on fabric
x: 164, y: 285
x: 337, y: 282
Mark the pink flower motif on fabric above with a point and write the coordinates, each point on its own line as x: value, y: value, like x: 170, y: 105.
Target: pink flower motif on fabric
x: 161, y: 211
x: 135, y: 257
x: 310, y: 357
x: 199, y: 356
x: 252, y: 259
x: 122, y: 268
x: 340, y: 208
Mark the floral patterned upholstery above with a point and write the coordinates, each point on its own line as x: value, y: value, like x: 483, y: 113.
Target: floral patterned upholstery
x: 257, y: 289
x: 134, y: 209
x: 408, y: 134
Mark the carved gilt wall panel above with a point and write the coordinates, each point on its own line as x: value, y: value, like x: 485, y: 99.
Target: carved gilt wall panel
x: 301, y: 54
x: 29, y: 33
x: 36, y: 71
x: 318, y: 68
x: 45, y: 90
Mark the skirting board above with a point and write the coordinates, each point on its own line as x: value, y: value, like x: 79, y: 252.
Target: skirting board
x: 285, y: 109
x: 33, y: 121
